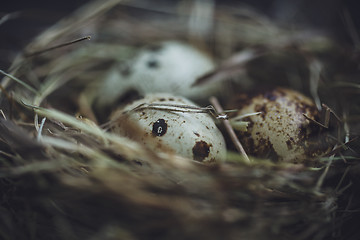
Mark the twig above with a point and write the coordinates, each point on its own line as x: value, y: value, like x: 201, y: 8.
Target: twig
x: 8, y: 16
x: 323, y: 175
x: 229, y: 129
x: 57, y: 46
x: 3, y: 114
x: 181, y: 108
x: 342, y: 179
x: 41, y: 129
x: 19, y: 81
x: 315, y: 68
x: 351, y: 28
x: 327, y: 117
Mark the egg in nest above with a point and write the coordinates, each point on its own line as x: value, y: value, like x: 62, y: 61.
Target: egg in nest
x: 280, y: 131
x: 167, y: 123
x: 168, y: 67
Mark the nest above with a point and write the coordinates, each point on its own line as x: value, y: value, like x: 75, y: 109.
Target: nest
x: 64, y: 177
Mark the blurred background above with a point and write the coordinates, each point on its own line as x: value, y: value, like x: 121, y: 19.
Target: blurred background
x: 23, y: 20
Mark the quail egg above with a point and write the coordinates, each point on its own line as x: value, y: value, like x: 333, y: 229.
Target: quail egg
x: 169, y: 66
x: 173, y: 124
x: 280, y: 131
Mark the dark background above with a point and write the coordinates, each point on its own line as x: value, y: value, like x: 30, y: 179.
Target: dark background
x: 32, y: 17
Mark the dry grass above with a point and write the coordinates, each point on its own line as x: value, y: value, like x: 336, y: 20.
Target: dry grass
x: 65, y: 177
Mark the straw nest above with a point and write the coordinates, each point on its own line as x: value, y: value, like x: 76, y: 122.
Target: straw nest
x: 63, y: 176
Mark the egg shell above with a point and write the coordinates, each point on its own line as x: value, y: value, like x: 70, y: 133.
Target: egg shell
x: 281, y: 132
x: 188, y: 134
x: 169, y: 67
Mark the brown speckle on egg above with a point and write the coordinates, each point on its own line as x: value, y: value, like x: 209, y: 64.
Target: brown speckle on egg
x: 197, y: 134
x: 201, y: 150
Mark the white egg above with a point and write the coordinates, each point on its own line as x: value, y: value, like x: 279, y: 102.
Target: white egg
x: 170, y: 67
x: 164, y: 122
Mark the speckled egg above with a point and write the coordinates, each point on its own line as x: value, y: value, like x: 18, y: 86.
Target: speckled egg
x: 170, y: 67
x: 281, y: 131
x: 163, y: 122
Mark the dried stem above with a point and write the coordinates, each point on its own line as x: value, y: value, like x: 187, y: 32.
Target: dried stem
x: 229, y: 129
x: 57, y: 46
x: 19, y: 81
x: 181, y: 108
